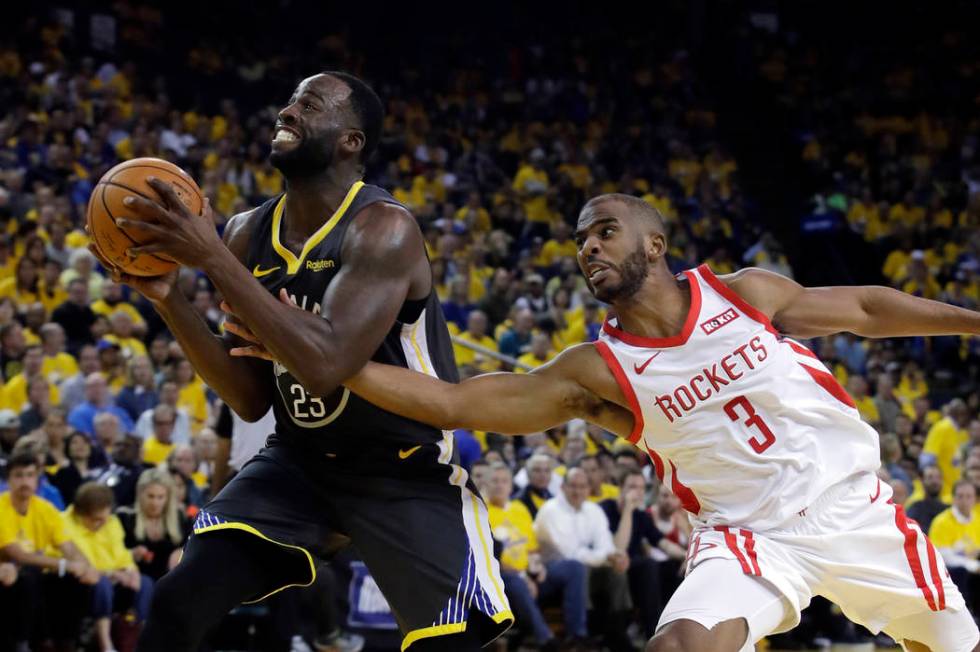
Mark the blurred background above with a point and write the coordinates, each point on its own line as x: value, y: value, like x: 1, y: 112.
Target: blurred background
x: 832, y: 143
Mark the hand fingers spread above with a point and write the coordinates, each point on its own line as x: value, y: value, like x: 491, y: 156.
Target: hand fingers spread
x: 251, y: 352
x: 142, y: 225
x: 166, y: 192
x: 241, y: 332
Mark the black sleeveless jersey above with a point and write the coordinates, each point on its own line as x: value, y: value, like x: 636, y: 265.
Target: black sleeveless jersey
x: 343, y: 424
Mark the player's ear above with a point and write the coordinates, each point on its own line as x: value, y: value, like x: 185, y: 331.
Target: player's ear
x: 656, y: 245
x: 353, y: 141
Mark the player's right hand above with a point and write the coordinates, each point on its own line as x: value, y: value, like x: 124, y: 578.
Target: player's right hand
x: 154, y: 288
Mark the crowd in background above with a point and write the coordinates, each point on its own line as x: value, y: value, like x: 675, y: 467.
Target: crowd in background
x: 110, y: 442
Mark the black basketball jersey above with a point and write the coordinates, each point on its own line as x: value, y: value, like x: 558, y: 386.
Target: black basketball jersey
x: 343, y: 422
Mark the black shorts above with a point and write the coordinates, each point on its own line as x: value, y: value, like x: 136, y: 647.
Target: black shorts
x: 423, y: 533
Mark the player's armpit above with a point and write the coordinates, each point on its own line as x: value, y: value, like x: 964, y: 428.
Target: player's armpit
x: 500, y: 402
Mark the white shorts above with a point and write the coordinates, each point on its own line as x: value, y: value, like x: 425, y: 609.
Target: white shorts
x: 853, y: 547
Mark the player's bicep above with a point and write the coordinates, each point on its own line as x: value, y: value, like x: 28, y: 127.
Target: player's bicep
x: 362, y: 302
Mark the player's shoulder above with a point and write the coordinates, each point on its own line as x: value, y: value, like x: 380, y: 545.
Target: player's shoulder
x: 384, y: 228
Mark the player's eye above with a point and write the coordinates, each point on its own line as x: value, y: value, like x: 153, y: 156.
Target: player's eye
x: 307, y: 106
x: 606, y: 232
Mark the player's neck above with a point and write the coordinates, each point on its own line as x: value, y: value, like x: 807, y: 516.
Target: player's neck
x: 310, y: 201
x: 659, y: 309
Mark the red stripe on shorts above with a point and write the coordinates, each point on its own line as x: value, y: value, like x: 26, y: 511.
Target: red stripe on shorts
x: 912, y: 554
x: 750, y: 549
x: 937, y: 581
x: 732, y: 543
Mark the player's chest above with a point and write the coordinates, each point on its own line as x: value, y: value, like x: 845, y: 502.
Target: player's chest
x: 306, y: 280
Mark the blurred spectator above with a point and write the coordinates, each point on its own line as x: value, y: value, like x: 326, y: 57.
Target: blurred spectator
x: 38, y: 405
x: 517, y: 339
x: 457, y: 308
x: 75, y: 316
x: 924, y: 510
x: 636, y: 536
x: 476, y: 332
x: 73, y: 387
x: 599, y: 488
x: 539, y: 354
x: 159, y: 445
x: 15, y: 390
x: 526, y: 578
x: 191, y: 397
x: 123, y: 470
x: 139, y: 394
x: 58, y: 363
x: 568, y: 526
x: 944, y: 441
x: 956, y: 533
x: 38, y: 449
x: 539, y: 471
x: 97, y: 400
x: 98, y: 534
x: 68, y: 478
x: 32, y: 533
x: 182, y: 425
x: 183, y: 464
x: 888, y: 405
x: 9, y: 431
x: 155, y: 529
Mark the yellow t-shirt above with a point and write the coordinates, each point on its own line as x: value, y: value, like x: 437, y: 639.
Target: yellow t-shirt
x: 894, y: 267
x: 15, y: 393
x: 553, y: 251
x: 947, y: 532
x: 155, y: 451
x: 466, y: 356
x: 40, y: 530
x: 945, y: 440
x: 130, y: 346
x: 868, y: 410
x: 100, y: 307
x: 58, y: 367
x: 513, y: 526
x: 105, y: 548
x: 193, y: 398
x: 535, y: 206
x: 477, y: 218
x: 533, y: 361
x: 605, y: 491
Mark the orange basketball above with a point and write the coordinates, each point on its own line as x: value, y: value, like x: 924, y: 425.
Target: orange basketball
x: 105, y: 206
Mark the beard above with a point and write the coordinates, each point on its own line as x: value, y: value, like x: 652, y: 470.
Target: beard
x: 632, y: 272
x: 309, y: 158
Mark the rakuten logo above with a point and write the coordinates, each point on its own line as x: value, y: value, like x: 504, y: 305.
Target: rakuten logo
x: 711, y: 325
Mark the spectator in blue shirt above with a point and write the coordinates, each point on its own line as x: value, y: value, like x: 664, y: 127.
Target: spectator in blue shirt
x: 97, y: 400
x: 139, y: 394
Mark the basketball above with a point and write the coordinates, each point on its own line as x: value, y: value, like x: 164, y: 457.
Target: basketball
x: 105, y: 206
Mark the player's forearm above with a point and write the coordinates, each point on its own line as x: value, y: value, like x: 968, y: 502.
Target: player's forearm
x: 293, y: 337
x: 891, y: 313
x: 500, y: 402
x: 234, y: 379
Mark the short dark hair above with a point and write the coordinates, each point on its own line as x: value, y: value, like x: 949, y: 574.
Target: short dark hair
x: 21, y: 460
x: 368, y: 108
x: 637, y: 206
x: 91, y: 497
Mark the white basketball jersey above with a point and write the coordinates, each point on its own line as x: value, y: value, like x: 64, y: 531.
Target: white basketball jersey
x: 746, y: 427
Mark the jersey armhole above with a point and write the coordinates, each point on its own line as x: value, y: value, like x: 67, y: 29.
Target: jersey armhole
x: 735, y: 298
x: 624, y: 385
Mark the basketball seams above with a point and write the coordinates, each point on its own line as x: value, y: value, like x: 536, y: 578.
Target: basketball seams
x: 108, y: 214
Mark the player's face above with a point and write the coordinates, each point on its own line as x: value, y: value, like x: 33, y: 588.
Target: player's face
x: 309, y: 126
x: 611, y: 252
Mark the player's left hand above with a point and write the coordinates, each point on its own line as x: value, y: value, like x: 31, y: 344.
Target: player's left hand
x: 235, y: 326
x: 187, y: 238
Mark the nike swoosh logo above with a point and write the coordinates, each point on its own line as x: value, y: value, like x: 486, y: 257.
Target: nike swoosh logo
x: 259, y: 273
x: 640, y: 368
x: 877, y: 491
x: 405, y: 453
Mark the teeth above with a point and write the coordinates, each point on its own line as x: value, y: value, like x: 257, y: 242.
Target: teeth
x: 285, y: 136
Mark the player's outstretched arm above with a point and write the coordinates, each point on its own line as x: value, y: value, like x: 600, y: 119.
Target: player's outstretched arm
x: 866, y: 310
x: 500, y: 402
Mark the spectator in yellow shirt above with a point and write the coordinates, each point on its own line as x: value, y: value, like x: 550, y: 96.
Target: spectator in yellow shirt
x: 599, y: 489
x: 531, y: 184
x: 474, y: 215
x: 58, y: 364
x: 191, y: 395
x: 857, y: 387
x: 476, y: 332
x: 526, y: 578
x: 944, y: 441
x: 123, y: 332
x: 33, y: 537
x: 113, y: 301
x: 93, y: 528
x: 15, y: 389
x: 559, y: 246
x: 540, y: 353
x: 24, y: 286
x: 956, y: 534
x: 158, y: 446
x: 920, y: 282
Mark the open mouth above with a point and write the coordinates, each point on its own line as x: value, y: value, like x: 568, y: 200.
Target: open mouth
x: 597, y: 272
x: 285, y: 135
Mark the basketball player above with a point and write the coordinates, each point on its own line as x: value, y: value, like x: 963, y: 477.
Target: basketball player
x: 337, y: 469
x: 751, y: 432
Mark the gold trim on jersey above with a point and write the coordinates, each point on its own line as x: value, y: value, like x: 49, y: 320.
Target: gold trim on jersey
x: 293, y: 263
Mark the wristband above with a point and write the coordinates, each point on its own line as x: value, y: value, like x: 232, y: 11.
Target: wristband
x: 62, y: 566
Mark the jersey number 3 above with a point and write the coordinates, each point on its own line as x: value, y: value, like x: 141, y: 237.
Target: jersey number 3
x: 752, y: 419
